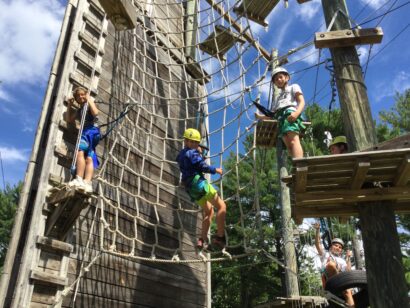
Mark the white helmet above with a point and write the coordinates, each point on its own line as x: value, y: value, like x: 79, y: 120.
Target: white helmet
x: 278, y: 70
x: 338, y: 241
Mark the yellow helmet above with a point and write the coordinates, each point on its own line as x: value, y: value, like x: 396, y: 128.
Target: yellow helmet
x: 192, y: 134
x: 338, y: 139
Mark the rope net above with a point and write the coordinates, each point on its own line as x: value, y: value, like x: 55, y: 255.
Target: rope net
x: 168, y: 83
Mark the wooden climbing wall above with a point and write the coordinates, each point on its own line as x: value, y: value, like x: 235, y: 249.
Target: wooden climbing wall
x: 119, y: 68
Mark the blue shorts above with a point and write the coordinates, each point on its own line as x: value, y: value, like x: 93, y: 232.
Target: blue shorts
x: 89, y: 140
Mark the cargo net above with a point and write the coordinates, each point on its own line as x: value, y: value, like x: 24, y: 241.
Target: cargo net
x: 169, y: 76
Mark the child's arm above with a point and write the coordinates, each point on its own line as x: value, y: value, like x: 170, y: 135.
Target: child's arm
x: 92, y: 106
x: 301, y: 105
x: 70, y: 114
x: 317, y: 239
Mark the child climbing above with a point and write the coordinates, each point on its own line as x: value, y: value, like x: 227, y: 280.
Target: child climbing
x: 86, y: 157
x: 288, y: 107
x: 193, y: 166
x: 332, y: 262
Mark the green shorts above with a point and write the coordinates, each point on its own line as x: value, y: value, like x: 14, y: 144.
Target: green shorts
x: 201, y: 191
x: 285, y: 126
x: 210, y: 193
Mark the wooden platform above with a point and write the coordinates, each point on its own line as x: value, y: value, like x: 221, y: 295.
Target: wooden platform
x: 220, y: 41
x: 267, y: 131
x: 256, y: 10
x: 65, y: 205
x: 296, y: 301
x: 334, y: 185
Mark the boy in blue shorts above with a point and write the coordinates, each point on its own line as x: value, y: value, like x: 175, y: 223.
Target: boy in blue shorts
x: 288, y: 107
x: 193, y: 166
x: 86, y: 157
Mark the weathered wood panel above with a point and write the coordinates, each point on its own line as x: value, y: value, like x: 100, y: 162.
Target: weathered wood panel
x: 138, y: 68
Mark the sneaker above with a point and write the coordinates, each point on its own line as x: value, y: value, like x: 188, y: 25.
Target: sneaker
x: 202, y: 244
x: 76, y: 183
x: 218, y: 241
x: 88, y: 187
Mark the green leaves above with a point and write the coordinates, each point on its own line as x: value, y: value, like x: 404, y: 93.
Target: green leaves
x: 8, y: 205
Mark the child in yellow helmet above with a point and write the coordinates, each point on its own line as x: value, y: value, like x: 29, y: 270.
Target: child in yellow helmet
x: 193, y: 166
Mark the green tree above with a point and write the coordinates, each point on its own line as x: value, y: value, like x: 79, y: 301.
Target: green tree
x: 396, y: 122
x: 398, y: 117
x: 322, y: 120
x: 254, y: 279
x: 9, y: 199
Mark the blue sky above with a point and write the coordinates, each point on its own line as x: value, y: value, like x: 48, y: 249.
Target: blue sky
x: 29, y: 31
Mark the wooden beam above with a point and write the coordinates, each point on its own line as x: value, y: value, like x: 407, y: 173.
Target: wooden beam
x: 238, y: 28
x: 301, y: 179
x: 48, y: 278
x: 121, y: 13
x: 359, y: 175
x: 54, y: 244
x: 403, y: 173
x: 352, y: 196
x: 348, y: 37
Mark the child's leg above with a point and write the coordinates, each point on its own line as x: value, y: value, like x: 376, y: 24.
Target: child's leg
x: 292, y: 142
x: 207, y: 215
x: 89, y: 169
x: 220, y: 215
x: 80, y: 164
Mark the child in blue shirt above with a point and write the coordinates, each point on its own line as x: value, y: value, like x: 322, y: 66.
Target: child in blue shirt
x: 86, y: 157
x: 193, y: 166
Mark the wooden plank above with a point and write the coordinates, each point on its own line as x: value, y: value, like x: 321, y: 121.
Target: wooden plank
x: 43, y: 294
x: 403, y: 172
x: 48, y: 279
x: 348, y: 37
x: 72, y: 205
x: 301, y: 179
x: 359, y: 174
x: 67, y: 193
x: 256, y: 10
x: 121, y: 13
x: 353, y: 196
x: 219, y: 42
x: 334, y: 159
x: 54, y: 244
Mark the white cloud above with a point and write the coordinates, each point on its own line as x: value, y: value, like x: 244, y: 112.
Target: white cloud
x: 400, y: 83
x: 309, y: 10
x: 373, y: 3
x: 28, y: 32
x: 363, y: 52
x: 13, y: 155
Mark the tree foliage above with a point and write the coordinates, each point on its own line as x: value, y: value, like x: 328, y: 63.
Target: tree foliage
x: 398, y: 117
x: 396, y: 122
x: 9, y: 199
x: 322, y: 120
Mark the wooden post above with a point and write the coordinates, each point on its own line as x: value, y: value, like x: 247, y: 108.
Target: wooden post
x: 292, y: 286
x: 356, y: 252
x: 385, y: 275
x: 191, y: 24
